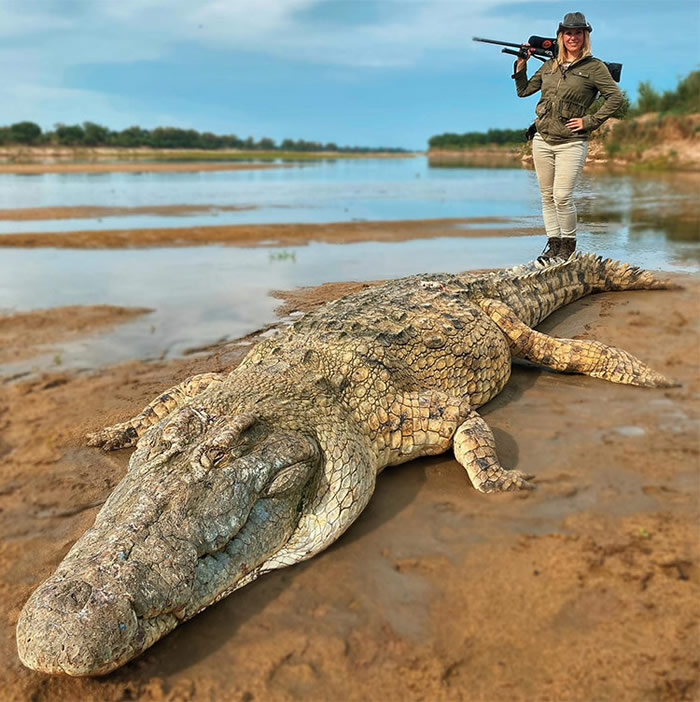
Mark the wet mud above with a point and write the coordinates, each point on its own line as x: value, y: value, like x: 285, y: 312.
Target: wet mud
x: 587, y: 588
x: 22, y: 214
x: 271, y: 234
x: 26, y: 334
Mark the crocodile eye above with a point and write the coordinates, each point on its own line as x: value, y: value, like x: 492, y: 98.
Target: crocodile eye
x: 186, y: 424
x: 213, y: 456
x: 226, y: 444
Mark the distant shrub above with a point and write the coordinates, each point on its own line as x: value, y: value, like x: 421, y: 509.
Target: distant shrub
x: 683, y: 99
x: 25, y: 133
x: 612, y: 147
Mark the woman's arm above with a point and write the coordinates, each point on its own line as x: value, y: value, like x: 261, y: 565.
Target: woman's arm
x: 523, y: 86
x: 610, y: 92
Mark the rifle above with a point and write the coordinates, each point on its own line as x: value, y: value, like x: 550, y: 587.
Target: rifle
x: 543, y: 48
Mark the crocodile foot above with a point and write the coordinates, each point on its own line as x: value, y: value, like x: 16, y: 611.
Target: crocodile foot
x: 115, y: 437
x: 475, y: 449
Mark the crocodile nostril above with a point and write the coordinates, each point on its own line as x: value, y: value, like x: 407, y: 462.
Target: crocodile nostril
x: 70, y: 626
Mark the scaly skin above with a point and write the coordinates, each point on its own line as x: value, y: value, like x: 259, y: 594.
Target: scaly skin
x: 236, y: 475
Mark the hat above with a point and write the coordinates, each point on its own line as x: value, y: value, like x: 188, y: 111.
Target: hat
x: 574, y: 20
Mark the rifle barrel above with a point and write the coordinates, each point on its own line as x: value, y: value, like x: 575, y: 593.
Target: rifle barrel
x: 498, y: 43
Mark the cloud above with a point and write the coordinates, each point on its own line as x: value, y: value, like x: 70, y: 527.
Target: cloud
x: 130, y: 30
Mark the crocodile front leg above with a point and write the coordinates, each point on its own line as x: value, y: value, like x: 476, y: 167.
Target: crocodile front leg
x: 426, y: 423
x: 573, y: 355
x: 126, y: 434
x: 475, y: 449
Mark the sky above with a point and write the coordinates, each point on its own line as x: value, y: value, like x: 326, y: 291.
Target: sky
x: 354, y: 72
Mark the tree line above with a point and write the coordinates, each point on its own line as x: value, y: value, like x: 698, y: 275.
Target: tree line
x: 89, y: 134
x: 452, y: 140
x: 683, y: 99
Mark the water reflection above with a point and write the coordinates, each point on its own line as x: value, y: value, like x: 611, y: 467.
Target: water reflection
x: 665, y: 204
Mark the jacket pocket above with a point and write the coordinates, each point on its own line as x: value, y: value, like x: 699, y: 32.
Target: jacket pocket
x: 542, y: 108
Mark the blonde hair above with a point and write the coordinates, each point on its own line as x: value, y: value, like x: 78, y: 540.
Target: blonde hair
x: 561, y: 51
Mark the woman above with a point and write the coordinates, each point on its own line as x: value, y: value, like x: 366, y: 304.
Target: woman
x: 569, y: 84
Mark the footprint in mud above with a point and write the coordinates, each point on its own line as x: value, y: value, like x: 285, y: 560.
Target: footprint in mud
x: 680, y: 569
x: 558, y: 486
x: 662, y: 492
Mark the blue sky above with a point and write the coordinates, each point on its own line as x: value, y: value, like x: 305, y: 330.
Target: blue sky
x: 355, y: 72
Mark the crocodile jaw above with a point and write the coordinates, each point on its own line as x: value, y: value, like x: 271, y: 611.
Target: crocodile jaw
x: 75, y: 626
x: 163, y: 547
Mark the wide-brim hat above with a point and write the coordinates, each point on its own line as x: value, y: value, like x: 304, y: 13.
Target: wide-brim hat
x: 574, y: 20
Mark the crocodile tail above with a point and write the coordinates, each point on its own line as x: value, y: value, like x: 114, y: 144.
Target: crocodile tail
x: 604, y: 274
x: 535, y: 290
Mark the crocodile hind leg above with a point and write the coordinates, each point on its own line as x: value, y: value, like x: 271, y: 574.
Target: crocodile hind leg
x: 127, y: 433
x: 573, y: 355
x: 475, y: 449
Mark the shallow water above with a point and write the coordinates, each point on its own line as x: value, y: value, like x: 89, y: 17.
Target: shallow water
x: 340, y: 191
x: 204, y: 294
x: 343, y: 190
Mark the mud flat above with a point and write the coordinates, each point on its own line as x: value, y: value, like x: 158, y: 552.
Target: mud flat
x: 271, y: 234
x: 22, y: 214
x: 587, y: 588
x: 25, y: 334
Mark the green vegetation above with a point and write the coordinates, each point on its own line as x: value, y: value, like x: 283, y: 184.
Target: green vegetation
x: 656, y: 118
x: 242, y: 155
x: 89, y: 134
x: 470, y: 140
x: 684, y: 99
x: 283, y: 256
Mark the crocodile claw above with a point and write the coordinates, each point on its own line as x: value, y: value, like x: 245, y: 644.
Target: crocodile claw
x: 111, y: 438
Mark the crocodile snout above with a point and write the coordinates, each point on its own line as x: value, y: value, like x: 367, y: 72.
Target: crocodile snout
x: 70, y: 626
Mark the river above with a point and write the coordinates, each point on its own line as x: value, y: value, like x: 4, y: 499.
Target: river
x: 202, y: 294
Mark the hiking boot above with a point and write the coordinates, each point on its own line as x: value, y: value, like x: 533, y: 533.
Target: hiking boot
x: 551, y: 251
x: 567, y: 247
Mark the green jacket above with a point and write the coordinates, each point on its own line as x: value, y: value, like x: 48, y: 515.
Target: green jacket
x: 569, y: 94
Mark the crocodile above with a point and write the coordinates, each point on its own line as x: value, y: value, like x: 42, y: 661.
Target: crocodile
x: 239, y: 473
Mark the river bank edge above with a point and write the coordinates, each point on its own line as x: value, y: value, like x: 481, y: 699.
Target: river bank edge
x: 60, y: 159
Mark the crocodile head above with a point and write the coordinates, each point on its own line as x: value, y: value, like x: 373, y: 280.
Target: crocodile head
x: 205, y: 503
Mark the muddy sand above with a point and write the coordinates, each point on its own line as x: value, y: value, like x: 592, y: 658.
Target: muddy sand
x: 265, y: 234
x: 22, y: 214
x: 585, y: 589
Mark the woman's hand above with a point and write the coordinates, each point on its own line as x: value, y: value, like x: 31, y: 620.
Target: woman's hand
x: 521, y: 61
x: 575, y: 124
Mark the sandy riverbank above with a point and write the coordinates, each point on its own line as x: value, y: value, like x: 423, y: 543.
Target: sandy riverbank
x: 24, y: 214
x: 131, y: 167
x: 587, y: 588
x: 270, y: 234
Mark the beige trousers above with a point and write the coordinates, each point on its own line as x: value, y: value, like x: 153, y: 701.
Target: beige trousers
x: 558, y: 168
